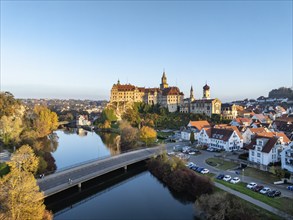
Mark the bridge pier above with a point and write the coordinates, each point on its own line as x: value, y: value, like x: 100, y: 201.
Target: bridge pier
x: 125, y: 168
x: 79, y: 187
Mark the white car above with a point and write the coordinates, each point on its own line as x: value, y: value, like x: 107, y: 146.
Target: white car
x: 190, y: 164
x: 227, y: 178
x: 235, y: 180
x: 265, y: 190
x: 251, y: 185
x: 204, y: 171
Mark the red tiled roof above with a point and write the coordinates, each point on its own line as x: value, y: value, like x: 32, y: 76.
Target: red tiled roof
x: 172, y: 91
x: 199, y: 124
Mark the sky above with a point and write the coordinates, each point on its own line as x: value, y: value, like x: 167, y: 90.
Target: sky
x: 79, y: 49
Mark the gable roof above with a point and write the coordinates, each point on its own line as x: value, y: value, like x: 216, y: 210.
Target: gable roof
x: 271, y: 141
x: 199, y: 124
x: 221, y: 134
x: 233, y: 128
x: 171, y: 91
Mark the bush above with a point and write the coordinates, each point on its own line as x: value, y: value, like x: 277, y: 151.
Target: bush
x: 243, y: 156
x: 175, y: 175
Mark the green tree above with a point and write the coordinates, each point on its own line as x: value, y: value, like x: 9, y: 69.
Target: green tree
x: 147, y: 134
x: 192, y: 139
x: 132, y: 116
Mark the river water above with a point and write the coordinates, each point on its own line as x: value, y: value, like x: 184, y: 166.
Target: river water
x: 134, y: 194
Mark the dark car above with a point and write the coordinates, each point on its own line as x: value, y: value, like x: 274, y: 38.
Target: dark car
x: 194, y: 168
x: 274, y: 193
x: 257, y: 188
x: 199, y: 169
x: 220, y: 176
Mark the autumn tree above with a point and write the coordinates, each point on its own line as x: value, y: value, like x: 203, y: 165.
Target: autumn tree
x: 24, y: 160
x: 45, y: 121
x: 20, y: 198
x: 10, y: 129
x: 129, y: 137
x: 147, y: 134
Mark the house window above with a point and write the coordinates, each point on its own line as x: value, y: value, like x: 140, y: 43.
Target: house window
x: 258, y: 154
x: 274, y: 156
x: 252, y: 153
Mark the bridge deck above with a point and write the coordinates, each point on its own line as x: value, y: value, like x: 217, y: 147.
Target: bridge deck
x: 58, y: 182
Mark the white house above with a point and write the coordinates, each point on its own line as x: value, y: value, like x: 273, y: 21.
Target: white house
x: 195, y: 127
x: 250, y: 132
x: 265, y: 150
x: 82, y: 120
x: 287, y: 158
x: 221, y: 138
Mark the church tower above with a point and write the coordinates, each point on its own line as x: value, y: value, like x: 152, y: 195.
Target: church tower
x: 206, y: 92
x: 191, y: 95
x: 164, y: 83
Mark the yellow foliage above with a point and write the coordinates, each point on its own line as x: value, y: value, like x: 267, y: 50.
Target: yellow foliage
x: 24, y: 159
x: 147, y: 132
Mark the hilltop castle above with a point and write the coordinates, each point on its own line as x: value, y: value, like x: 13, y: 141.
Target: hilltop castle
x: 169, y: 97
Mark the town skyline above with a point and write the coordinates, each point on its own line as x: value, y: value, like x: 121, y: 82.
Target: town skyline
x: 80, y: 49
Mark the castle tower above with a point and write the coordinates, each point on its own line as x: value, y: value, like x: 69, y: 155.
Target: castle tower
x: 164, y: 83
x: 191, y: 95
x: 206, y: 92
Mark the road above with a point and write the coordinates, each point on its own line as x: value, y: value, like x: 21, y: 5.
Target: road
x: 200, y: 161
x: 65, y: 179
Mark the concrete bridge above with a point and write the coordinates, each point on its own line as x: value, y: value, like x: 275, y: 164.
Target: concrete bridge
x: 75, y: 176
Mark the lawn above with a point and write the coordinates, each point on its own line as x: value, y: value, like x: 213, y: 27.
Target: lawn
x: 281, y: 203
x: 221, y: 164
x: 259, y: 174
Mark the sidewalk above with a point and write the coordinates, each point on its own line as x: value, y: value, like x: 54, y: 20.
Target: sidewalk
x: 254, y: 201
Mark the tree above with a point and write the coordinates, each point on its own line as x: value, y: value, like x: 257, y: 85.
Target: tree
x: 10, y: 129
x: 129, y: 137
x: 8, y: 104
x: 20, y: 197
x: 192, y: 139
x: 45, y: 121
x: 147, y: 134
x: 24, y: 160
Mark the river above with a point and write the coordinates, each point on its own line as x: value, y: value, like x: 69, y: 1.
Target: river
x: 135, y: 194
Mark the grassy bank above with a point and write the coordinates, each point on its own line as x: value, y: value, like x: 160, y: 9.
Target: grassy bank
x: 221, y: 164
x: 281, y: 203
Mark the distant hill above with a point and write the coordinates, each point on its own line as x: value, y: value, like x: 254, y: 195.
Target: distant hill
x: 282, y: 92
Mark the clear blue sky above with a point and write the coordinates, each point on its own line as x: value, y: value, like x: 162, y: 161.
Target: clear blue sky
x: 78, y: 49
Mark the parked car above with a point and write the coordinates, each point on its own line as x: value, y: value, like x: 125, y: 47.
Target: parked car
x: 227, y: 178
x: 205, y: 171
x: 274, y: 193
x: 290, y: 188
x: 257, y: 188
x: 199, y: 169
x: 190, y: 164
x: 194, y: 168
x: 235, y: 180
x: 220, y: 176
x: 265, y: 190
x: 251, y: 185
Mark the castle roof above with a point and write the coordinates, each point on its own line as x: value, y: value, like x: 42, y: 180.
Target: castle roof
x: 171, y: 91
x: 206, y: 87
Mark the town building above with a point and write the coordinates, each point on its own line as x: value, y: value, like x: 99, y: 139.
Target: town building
x: 206, y: 105
x: 287, y: 158
x: 229, y: 111
x: 195, y: 127
x: 265, y: 150
x: 228, y: 139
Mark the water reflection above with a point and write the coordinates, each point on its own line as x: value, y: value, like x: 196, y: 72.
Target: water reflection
x: 74, y: 146
x: 112, y: 141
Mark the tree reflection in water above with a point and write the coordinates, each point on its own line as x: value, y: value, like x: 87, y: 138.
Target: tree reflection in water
x: 112, y: 141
